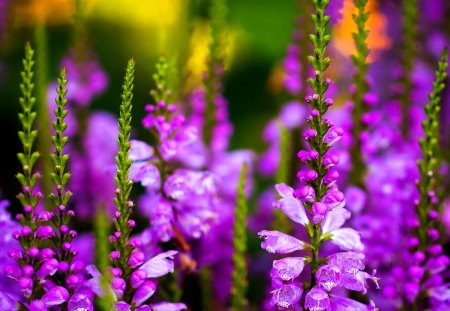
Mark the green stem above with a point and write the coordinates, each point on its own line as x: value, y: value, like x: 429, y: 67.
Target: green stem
x: 410, y: 13
x: 42, y: 109
x: 239, y: 274
x: 359, y: 167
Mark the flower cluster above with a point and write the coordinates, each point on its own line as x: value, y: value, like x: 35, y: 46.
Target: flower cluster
x: 319, y: 206
x: 44, y: 268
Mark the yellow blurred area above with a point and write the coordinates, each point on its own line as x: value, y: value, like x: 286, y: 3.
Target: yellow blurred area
x: 139, y: 13
x: 378, y: 38
x: 199, y: 50
x: 154, y: 26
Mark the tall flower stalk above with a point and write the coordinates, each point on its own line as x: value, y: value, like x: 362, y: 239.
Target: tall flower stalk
x: 426, y: 264
x: 318, y: 205
x: 215, y: 112
x: 431, y: 162
x: 45, y: 270
x: 408, y: 54
x: 131, y: 273
x: 28, y: 179
x: 360, y: 107
x: 123, y: 222
x: 239, y: 274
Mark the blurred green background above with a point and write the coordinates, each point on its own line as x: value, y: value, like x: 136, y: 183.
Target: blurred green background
x: 117, y: 30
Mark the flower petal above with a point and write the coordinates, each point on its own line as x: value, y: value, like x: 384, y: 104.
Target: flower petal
x: 335, y: 219
x: 169, y: 306
x: 278, y: 242
x: 159, y: 265
x: 347, y: 239
x: 140, y: 151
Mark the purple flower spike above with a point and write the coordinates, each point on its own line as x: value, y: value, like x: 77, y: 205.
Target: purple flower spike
x: 286, y: 296
x: 287, y: 268
x: 317, y: 299
x: 278, y: 242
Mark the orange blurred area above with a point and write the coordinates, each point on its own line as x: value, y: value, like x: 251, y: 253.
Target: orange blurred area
x: 53, y: 12
x: 378, y: 38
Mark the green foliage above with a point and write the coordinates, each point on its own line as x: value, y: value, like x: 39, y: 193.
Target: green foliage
x: 239, y: 276
x: 161, y: 93
x: 123, y: 184
x: 60, y: 177
x: 102, y: 249
x: 430, y: 163
x: 359, y: 168
x: 410, y: 21
x: 28, y: 159
x: 28, y: 135
x: 281, y: 221
x: 43, y: 116
x: 218, y: 16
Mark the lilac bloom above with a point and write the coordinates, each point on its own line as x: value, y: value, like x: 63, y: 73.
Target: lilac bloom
x: 7, y: 303
x: 345, y: 238
x: 292, y: 207
x: 80, y: 302
x: 345, y: 304
x: 159, y: 265
x: 169, y: 306
x: 144, y: 292
x: 287, y: 268
x: 55, y: 296
x: 287, y: 296
x: 328, y: 276
x: 121, y: 306
x: 356, y: 198
x: 140, y: 151
x: 317, y: 299
x: 278, y: 242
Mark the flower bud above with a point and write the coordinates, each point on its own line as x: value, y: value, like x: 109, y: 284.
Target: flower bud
x: 144, y: 292
x: 45, y: 232
x: 137, y: 278
x: 49, y: 267
x: 136, y: 259
x: 118, y: 286
x: 12, y: 272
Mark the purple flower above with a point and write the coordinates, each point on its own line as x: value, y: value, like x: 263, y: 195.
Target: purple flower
x: 278, y: 242
x: 287, y: 296
x: 287, y: 268
x: 159, y: 265
x: 317, y: 299
x: 169, y: 306
x: 290, y: 205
